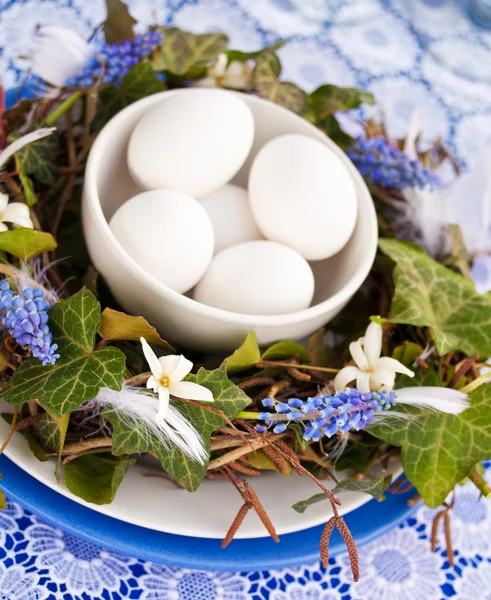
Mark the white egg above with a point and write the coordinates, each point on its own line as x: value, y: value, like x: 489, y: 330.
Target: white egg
x: 302, y: 195
x: 194, y: 141
x: 168, y: 234
x: 230, y: 213
x: 257, y: 278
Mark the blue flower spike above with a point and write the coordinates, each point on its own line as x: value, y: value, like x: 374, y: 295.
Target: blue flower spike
x: 325, y: 416
x: 385, y: 165
x: 115, y: 60
x: 27, y: 320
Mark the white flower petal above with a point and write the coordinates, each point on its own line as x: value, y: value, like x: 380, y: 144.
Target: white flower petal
x: 345, y: 376
x: 58, y: 54
x: 164, y: 398
x: 182, y: 369
x: 382, y: 377
x: 191, y: 391
x: 11, y: 149
x: 372, y: 345
x: 4, y: 200
x: 391, y: 364
x: 169, y: 364
x: 446, y: 400
x: 3, y: 227
x: 363, y: 382
x: 17, y: 213
x: 152, y: 360
x: 153, y: 383
x: 358, y: 355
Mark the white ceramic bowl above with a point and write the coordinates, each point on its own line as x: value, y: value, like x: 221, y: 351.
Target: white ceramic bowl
x: 177, y: 317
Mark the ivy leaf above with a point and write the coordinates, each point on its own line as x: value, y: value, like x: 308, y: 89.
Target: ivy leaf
x: 181, y: 50
x: 407, y: 353
x: 266, y: 72
x: 246, y: 356
x: 25, y: 243
x: 96, y: 479
x: 284, y: 350
x: 428, y: 294
x: 244, y: 56
x: 438, y: 449
x: 141, y: 81
x: 375, y: 488
x: 327, y: 99
x: 117, y: 325
x: 31, y: 438
x: 38, y: 159
x: 354, y: 458
x: 118, y: 26
x: 261, y: 460
x: 227, y: 397
x: 52, y: 431
x: 80, y: 371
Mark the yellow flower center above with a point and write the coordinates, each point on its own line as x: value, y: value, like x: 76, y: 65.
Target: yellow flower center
x: 165, y: 381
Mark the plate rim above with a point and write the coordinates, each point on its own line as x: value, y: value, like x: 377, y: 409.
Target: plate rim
x: 366, y: 523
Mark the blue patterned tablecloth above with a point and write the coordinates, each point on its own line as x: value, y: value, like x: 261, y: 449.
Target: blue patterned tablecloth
x: 386, y: 55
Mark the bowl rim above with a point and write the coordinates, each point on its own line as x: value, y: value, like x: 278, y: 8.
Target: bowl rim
x: 93, y: 205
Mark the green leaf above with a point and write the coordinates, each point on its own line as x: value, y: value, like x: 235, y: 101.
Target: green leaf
x: 375, y: 488
x: 31, y: 439
x: 284, y: 350
x: 39, y: 159
x: 49, y: 433
x: 118, y: 26
x: 3, y: 502
x: 320, y: 353
x: 27, y: 185
x: 261, y: 460
x: 407, y: 353
x: 302, y: 506
x: 327, y: 99
x: 141, y: 81
x: 117, y: 325
x: 428, y: 294
x: 181, y: 50
x: 458, y: 257
x: 80, y: 371
x: 246, y: 356
x: 244, y: 56
x: 227, y: 397
x: 354, y: 458
x: 438, y: 449
x: 96, y: 479
x: 25, y: 243
x: 266, y: 72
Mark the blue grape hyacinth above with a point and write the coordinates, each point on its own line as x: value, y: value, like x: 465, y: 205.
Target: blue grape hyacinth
x: 113, y: 61
x: 27, y: 320
x: 384, y: 164
x: 326, y: 415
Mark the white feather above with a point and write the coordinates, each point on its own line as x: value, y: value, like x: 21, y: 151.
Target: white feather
x: 23, y: 141
x: 138, y: 409
x: 445, y: 400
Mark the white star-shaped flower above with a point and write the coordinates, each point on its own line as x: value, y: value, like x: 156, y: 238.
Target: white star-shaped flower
x: 372, y: 371
x: 167, y: 377
x: 15, y: 212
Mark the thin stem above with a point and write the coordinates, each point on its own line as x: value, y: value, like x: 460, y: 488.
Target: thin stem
x: 254, y: 444
x: 271, y: 363
x: 55, y: 114
x: 480, y: 483
x: 11, y: 430
x: 473, y: 385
